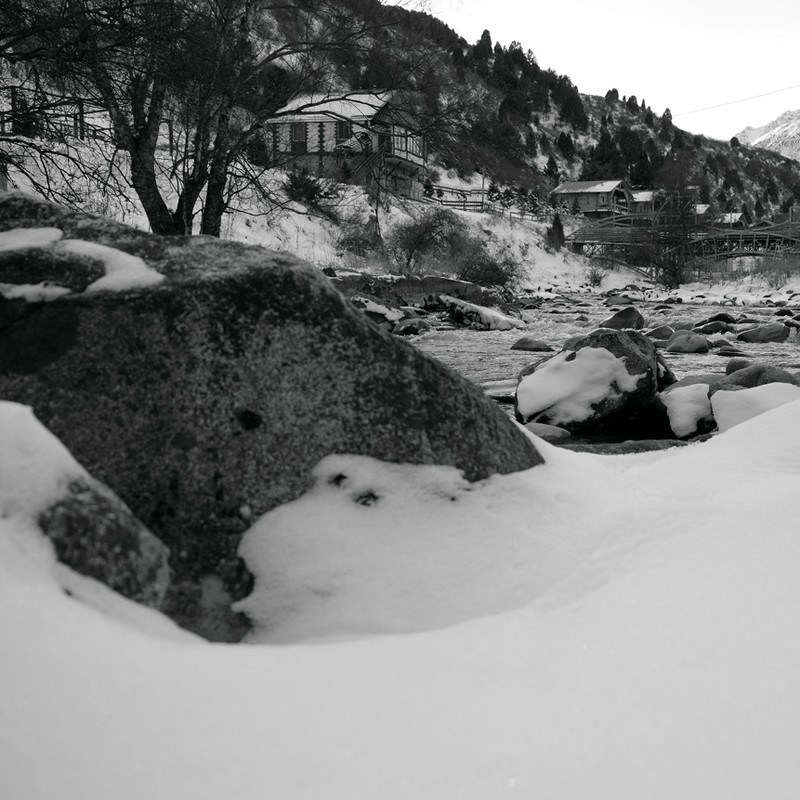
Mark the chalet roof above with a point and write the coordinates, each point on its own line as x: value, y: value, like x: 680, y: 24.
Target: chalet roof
x: 702, y: 208
x: 643, y: 196
x: 730, y: 219
x: 588, y: 187
x: 319, y: 108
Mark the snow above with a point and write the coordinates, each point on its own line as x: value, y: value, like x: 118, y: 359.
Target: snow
x: 605, y: 627
x: 491, y: 318
x: 35, y: 467
x: 334, y: 579
x: 33, y: 292
x: 570, y: 382
x: 123, y: 271
x: 733, y: 408
x: 23, y: 238
x: 686, y: 407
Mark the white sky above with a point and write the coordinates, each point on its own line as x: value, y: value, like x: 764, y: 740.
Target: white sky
x: 684, y: 55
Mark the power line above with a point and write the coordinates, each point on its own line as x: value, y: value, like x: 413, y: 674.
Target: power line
x: 734, y: 102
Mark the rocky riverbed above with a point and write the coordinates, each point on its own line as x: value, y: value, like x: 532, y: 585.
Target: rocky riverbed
x: 486, y: 357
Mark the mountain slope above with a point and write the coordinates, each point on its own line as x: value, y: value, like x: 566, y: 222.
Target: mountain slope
x: 781, y: 135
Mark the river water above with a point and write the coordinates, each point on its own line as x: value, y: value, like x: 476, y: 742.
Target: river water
x: 486, y: 357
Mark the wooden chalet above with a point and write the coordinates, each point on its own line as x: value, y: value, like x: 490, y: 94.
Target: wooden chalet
x: 596, y: 198
x: 730, y: 220
x: 355, y: 137
x: 643, y: 202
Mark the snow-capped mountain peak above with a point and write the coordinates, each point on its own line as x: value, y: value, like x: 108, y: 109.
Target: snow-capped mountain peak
x: 781, y: 135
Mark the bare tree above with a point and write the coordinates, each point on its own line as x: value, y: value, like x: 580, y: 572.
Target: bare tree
x: 187, y: 84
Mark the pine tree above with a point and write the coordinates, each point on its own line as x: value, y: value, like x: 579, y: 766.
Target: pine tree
x: 483, y: 49
x: 554, y: 236
x: 551, y: 170
x: 565, y: 145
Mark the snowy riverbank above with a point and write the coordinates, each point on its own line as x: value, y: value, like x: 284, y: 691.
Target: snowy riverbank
x: 607, y: 627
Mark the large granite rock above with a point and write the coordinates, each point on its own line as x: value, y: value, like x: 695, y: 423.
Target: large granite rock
x: 206, y: 399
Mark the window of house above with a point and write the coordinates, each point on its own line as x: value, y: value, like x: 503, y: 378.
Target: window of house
x: 344, y: 130
x: 298, y: 131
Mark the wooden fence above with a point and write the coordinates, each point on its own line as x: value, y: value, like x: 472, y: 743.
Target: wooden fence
x: 37, y: 114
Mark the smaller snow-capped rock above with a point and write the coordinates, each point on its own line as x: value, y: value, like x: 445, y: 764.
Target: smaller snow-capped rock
x: 604, y: 382
x: 479, y: 316
x: 93, y: 531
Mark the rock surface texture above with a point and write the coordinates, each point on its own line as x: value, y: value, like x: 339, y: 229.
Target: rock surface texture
x: 206, y: 399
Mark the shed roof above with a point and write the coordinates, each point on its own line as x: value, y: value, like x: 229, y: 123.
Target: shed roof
x: 588, y: 187
x: 318, y: 108
x: 644, y: 196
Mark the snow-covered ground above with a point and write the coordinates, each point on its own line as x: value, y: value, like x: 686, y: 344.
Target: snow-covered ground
x: 600, y: 626
x: 605, y: 627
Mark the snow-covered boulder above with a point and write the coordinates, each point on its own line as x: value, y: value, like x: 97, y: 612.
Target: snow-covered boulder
x: 483, y: 317
x: 92, y: 530
x: 411, y: 290
x: 688, y: 409
x: 604, y: 382
x: 687, y: 342
x: 691, y: 402
x: 382, y: 315
x: 206, y: 398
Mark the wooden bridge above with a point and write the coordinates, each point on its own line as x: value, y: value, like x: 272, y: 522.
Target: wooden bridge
x: 630, y: 239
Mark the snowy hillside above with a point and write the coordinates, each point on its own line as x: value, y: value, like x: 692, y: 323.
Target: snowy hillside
x: 781, y: 135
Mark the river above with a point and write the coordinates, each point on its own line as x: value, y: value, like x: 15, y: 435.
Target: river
x: 486, y: 357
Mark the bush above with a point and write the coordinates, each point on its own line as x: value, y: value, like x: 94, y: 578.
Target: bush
x: 488, y: 269
x: 434, y: 233
x: 595, y: 274
x: 439, y: 242
x: 359, y: 238
x: 316, y: 194
x: 777, y: 271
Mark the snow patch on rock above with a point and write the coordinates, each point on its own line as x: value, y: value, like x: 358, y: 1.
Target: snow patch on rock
x: 569, y: 384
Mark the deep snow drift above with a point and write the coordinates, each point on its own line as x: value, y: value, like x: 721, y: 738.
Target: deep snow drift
x: 600, y: 626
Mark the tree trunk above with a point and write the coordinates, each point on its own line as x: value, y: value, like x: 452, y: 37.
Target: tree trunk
x: 143, y: 178
x: 215, y: 204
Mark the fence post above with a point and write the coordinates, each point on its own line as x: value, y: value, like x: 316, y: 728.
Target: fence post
x: 81, y: 120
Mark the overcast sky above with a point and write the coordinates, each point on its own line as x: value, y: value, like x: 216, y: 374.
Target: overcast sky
x: 685, y: 55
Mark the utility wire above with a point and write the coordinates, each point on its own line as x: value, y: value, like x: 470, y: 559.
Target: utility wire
x: 734, y: 102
